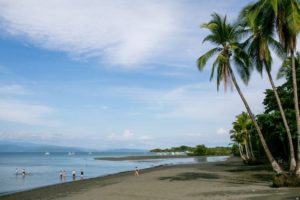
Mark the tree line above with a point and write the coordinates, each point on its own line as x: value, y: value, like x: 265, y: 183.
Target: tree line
x: 199, y: 150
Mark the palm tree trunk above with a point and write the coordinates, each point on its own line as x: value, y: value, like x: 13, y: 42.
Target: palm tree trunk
x: 241, y: 152
x: 247, y: 151
x: 287, y: 128
x: 251, y: 149
x: 295, y: 89
x: 270, y: 157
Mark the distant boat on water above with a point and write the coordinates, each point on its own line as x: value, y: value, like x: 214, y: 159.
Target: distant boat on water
x: 47, y: 153
x: 71, y: 153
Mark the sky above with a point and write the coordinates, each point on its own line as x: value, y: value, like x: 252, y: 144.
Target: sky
x: 114, y: 74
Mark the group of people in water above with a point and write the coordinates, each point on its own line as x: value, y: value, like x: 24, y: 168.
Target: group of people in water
x: 22, y: 172
x: 62, y: 175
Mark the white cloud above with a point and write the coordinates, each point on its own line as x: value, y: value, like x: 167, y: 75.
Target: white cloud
x: 124, y: 32
x: 19, y: 112
x: 13, y: 90
x: 222, y: 131
x: 126, y: 136
x: 194, y: 101
x: 104, y: 107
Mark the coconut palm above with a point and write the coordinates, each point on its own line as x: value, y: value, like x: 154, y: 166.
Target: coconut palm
x: 287, y: 23
x: 225, y: 37
x: 258, y: 44
x: 240, y: 134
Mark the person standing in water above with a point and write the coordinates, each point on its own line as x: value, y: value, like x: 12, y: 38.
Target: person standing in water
x: 23, y: 172
x: 81, y: 174
x: 74, y: 175
x: 61, y: 175
x: 64, y: 175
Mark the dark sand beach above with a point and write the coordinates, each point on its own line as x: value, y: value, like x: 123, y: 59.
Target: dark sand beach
x: 221, y: 180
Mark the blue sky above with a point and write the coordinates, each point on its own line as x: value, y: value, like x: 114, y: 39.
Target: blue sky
x: 113, y: 74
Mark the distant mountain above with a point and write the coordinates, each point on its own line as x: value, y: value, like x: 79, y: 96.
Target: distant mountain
x: 8, y: 146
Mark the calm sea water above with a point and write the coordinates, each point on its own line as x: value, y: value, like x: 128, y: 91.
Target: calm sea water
x: 44, y: 169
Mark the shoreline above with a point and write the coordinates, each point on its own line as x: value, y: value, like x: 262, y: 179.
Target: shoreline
x: 152, y: 157
x: 216, y: 180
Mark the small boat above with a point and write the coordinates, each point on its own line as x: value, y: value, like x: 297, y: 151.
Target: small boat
x: 47, y: 153
x: 71, y: 153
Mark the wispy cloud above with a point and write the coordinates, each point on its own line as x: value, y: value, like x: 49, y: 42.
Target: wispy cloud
x: 126, y: 136
x: 23, y: 113
x: 222, y: 132
x: 13, y: 90
x: 124, y: 33
x: 194, y: 101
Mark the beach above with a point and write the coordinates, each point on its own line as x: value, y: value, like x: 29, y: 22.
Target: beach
x: 220, y: 180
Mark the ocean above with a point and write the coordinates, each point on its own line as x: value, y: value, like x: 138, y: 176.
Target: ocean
x: 44, y: 169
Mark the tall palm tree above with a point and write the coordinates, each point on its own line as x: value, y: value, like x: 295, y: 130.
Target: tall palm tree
x: 258, y: 43
x: 287, y: 23
x: 225, y: 36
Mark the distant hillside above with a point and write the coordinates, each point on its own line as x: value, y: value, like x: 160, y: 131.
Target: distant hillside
x: 8, y: 146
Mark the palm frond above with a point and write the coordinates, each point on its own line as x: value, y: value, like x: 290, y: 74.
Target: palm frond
x: 277, y: 47
x: 201, y: 62
x: 242, y: 64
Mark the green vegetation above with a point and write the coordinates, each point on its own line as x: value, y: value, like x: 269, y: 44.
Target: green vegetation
x: 245, y: 45
x: 199, y: 150
x: 173, y: 149
x: 271, y: 123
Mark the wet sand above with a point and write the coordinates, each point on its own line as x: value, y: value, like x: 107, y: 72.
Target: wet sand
x: 222, y: 180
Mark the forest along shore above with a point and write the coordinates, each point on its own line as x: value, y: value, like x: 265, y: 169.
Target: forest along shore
x: 230, y: 179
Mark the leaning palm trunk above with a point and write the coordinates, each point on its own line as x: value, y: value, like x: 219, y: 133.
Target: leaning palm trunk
x: 295, y: 89
x: 287, y: 128
x: 271, y: 159
x: 248, y: 152
x: 251, y: 149
x: 242, y: 152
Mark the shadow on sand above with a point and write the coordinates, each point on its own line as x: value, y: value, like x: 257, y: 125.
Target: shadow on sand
x: 190, y: 176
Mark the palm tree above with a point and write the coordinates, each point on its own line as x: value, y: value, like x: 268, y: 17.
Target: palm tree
x: 240, y: 134
x: 287, y: 22
x: 258, y: 44
x: 225, y: 36
x: 236, y: 136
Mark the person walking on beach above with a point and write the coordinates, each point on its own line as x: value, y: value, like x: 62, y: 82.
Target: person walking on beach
x: 136, y: 171
x: 81, y: 174
x: 74, y: 175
